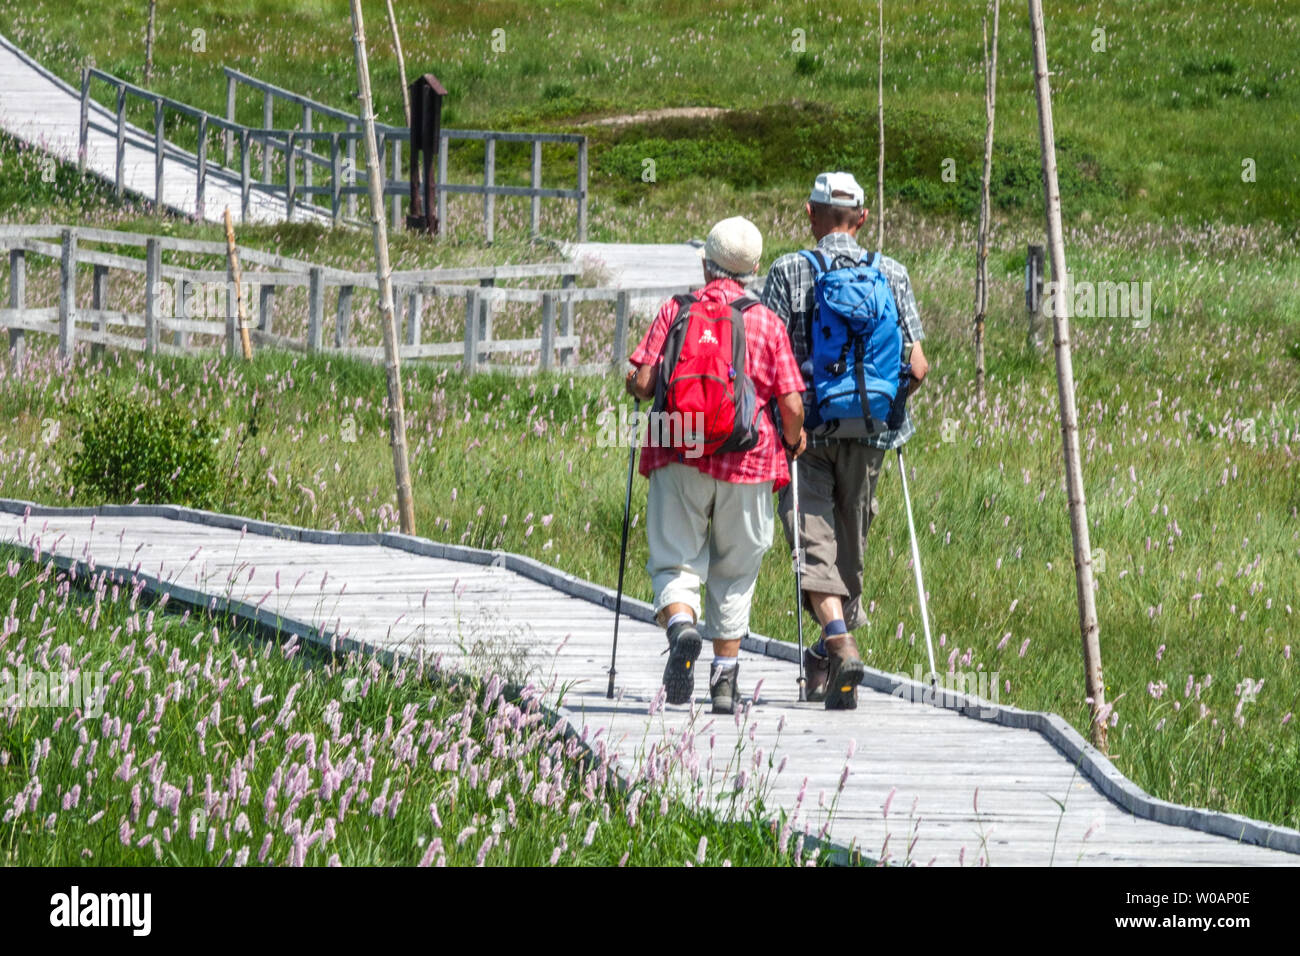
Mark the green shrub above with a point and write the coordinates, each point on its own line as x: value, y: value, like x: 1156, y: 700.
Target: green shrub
x: 129, y: 447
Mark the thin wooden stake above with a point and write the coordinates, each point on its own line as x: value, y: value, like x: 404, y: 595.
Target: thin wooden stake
x: 1060, y: 299
x: 236, y: 277
x: 880, y: 112
x: 401, y: 64
x: 148, y: 44
x: 982, y: 245
x: 384, y: 271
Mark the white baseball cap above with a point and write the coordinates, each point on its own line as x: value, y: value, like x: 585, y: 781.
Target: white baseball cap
x: 735, y: 244
x: 828, y: 184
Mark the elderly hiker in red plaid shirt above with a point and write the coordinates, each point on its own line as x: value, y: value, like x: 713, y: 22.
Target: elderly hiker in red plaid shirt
x: 710, y: 516
x: 837, y: 477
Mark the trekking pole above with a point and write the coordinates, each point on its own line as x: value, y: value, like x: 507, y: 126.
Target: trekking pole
x: 622, y: 555
x: 798, y: 573
x: 916, y: 567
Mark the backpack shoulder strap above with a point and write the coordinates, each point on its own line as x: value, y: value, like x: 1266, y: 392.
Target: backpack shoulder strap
x: 744, y: 302
x: 872, y: 259
x: 816, y: 259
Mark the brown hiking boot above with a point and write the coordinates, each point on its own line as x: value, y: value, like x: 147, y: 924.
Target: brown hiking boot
x: 846, y: 672
x: 816, y: 669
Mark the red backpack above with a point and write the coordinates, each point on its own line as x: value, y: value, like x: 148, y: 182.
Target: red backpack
x: 702, y: 385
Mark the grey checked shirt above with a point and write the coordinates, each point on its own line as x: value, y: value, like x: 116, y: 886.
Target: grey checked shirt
x: 789, y: 293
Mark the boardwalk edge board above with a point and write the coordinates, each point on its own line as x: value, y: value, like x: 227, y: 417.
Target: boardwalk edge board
x: 1090, y: 762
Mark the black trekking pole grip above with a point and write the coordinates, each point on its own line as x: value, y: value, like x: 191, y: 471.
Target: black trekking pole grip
x: 622, y: 555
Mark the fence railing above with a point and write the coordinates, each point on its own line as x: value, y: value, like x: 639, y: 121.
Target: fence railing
x: 309, y: 111
x: 173, y: 294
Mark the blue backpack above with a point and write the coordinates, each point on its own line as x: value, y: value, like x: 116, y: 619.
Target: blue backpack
x: 855, y: 349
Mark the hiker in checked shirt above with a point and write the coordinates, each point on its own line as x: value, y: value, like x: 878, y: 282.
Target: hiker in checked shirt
x: 837, y: 476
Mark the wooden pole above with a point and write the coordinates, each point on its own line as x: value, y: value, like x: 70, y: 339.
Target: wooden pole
x: 880, y: 112
x: 982, y: 244
x: 375, y: 177
x: 236, y: 278
x: 401, y: 64
x: 148, y: 44
x: 1095, y: 686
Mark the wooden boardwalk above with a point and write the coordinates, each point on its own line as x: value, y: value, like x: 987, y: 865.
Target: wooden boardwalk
x: 482, y: 610
x: 641, y: 266
x: 43, y: 111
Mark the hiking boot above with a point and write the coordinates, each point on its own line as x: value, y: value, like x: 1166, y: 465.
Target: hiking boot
x: 722, y: 688
x: 845, y: 673
x: 816, y: 669
x: 684, y: 644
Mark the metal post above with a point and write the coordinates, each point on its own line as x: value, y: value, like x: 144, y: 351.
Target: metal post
x: 486, y: 307
x: 245, y: 177
x: 414, y: 308
x: 535, y: 180
x: 68, y: 294
x: 265, y: 307
x: 582, y: 190
x: 396, y: 200
x: 315, y: 307
x: 99, y: 302
x: 336, y: 206
x: 83, y: 129
x: 442, y: 179
x: 547, y: 360
x: 291, y: 176
x: 471, y: 332
x: 268, y: 121
x: 566, y: 320
x: 202, y: 157
x: 489, y: 180
x: 152, y: 282
x: 622, y: 308
x: 119, y: 162
x: 181, y: 337
x: 307, y: 163
x: 18, y: 302
x: 228, y: 140
x: 352, y: 167
x: 158, y: 154
x: 343, y: 317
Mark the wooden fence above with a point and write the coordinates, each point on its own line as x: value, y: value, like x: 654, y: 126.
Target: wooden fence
x: 264, y: 274
x: 290, y: 157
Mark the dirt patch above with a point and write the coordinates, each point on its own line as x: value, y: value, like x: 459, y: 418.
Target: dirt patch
x: 649, y: 116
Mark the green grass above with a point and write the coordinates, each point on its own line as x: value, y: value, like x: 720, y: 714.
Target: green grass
x: 213, y: 747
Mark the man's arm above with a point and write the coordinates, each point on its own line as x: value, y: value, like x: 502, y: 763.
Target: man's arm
x: 640, y: 382
x: 920, y: 368
x: 792, y: 433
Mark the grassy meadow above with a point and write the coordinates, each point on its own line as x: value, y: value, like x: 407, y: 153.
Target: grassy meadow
x: 1190, y: 427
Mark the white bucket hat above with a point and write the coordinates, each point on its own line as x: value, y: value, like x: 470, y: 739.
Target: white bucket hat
x: 735, y: 245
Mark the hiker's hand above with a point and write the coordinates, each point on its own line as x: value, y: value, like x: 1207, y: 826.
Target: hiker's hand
x: 795, y: 448
x: 630, y: 383
x: 920, y: 368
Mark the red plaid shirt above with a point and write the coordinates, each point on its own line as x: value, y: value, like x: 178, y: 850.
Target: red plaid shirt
x: 769, y: 361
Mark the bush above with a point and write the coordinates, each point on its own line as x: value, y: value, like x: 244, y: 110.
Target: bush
x: 129, y: 447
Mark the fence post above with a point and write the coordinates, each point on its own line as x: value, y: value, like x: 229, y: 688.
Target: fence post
x: 291, y: 176
x: 152, y: 278
x: 119, y: 162
x: 315, y: 307
x: 18, y: 302
x: 536, y: 181
x: 185, y: 293
x: 306, y: 163
x: 1035, y: 258
x: 228, y: 141
x: 268, y: 116
x: 336, y: 205
x: 489, y: 179
x: 245, y: 177
x: 265, y: 307
x: 547, y: 361
x: 352, y: 168
x: 582, y: 190
x: 471, y: 332
x: 566, y: 319
x: 621, y: 314
x: 343, y: 317
x: 486, y: 307
x: 202, y: 157
x: 99, y: 302
x: 83, y: 129
x: 442, y: 179
x: 232, y: 313
x: 414, y: 307
x: 397, y: 175
x: 158, y: 154
x: 68, y: 294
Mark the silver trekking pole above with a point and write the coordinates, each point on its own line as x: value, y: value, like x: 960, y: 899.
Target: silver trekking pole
x: 916, y: 568
x: 622, y: 552
x: 798, y: 572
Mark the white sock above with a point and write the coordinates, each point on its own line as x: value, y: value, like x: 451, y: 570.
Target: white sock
x: 682, y: 617
x: 725, y: 663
